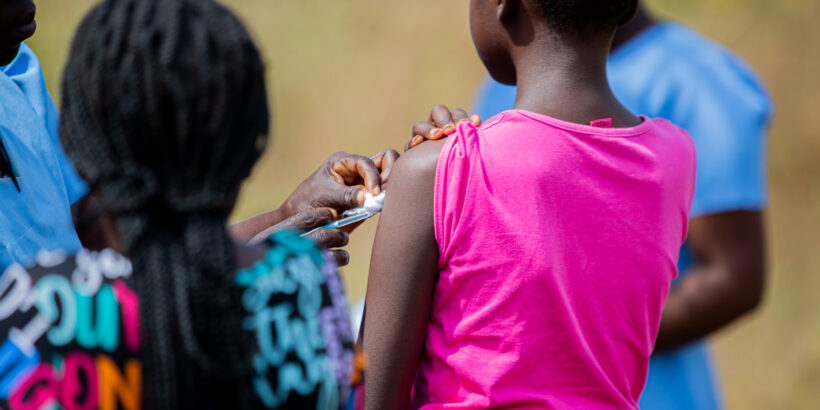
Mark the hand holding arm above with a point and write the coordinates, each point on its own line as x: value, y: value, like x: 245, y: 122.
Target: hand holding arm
x: 441, y: 124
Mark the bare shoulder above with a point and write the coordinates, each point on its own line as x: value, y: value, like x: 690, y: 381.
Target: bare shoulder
x: 408, y: 207
x: 420, y: 162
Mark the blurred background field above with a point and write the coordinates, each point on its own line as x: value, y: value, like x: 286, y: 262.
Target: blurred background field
x: 354, y: 75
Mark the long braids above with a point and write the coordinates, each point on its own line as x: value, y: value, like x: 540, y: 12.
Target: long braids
x: 164, y: 112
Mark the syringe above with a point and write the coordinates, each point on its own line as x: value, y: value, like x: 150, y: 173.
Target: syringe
x: 372, y: 206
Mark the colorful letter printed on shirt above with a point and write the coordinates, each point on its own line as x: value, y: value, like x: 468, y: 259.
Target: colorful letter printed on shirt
x: 296, y: 305
x: 71, y: 333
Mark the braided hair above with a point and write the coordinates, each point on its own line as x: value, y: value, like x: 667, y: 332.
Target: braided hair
x: 164, y: 113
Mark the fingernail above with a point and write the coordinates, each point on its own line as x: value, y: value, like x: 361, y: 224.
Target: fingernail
x: 475, y: 119
x: 416, y: 140
x: 449, y: 129
x: 436, y: 133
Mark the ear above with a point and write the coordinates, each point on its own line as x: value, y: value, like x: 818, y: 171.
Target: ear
x: 506, y: 9
x: 633, y: 11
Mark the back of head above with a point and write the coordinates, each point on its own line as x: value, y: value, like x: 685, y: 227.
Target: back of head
x: 164, y: 113
x: 587, y: 18
x: 508, y: 30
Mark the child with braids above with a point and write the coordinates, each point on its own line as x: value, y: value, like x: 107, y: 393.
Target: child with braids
x: 164, y: 115
x: 525, y: 263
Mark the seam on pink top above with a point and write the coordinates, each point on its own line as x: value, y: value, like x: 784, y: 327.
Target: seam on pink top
x: 629, y: 132
x: 438, y: 196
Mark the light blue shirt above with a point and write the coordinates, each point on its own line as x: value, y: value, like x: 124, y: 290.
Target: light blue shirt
x: 38, y: 217
x: 670, y: 71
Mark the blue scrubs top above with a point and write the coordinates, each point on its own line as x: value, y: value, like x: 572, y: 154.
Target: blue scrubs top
x: 38, y: 217
x: 670, y: 71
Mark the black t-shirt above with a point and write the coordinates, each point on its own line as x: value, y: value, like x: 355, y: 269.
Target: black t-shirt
x: 73, y: 337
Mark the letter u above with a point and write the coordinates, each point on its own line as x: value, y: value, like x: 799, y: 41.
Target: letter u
x: 107, y: 332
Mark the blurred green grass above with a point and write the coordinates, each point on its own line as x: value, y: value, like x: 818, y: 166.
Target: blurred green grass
x: 354, y: 75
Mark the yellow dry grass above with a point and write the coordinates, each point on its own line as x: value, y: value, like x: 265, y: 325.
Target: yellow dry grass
x: 355, y: 74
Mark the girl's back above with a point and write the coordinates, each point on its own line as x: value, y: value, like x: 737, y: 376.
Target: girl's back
x: 557, y: 244
x: 74, y: 337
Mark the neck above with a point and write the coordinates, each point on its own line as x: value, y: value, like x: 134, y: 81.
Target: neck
x: 568, y: 82
x: 641, y: 22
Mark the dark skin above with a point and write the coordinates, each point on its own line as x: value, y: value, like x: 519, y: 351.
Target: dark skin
x: 729, y: 276
x: 339, y: 184
x: 558, y: 76
x: 16, y: 25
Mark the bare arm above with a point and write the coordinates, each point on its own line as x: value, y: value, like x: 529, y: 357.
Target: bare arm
x: 400, y: 288
x: 727, y: 281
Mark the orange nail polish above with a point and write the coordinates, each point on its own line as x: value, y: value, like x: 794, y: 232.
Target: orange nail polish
x: 449, y: 129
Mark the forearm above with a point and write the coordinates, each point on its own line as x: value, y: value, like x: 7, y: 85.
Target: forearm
x: 248, y: 229
x: 705, y: 300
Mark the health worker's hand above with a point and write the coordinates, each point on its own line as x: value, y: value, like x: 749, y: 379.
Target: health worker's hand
x: 339, y: 184
x: 342, y: 182
x: 313, y: 218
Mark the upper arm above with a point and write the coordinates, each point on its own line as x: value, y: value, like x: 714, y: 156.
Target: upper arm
x: 734, y: 243
x: 400, y: 287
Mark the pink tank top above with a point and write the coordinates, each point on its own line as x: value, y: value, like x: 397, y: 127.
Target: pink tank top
x: 558, y: 243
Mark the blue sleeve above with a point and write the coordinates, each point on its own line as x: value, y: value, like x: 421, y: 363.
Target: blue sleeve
x: 493, y: 98
x: 727, y: 114
x: 74, y: 184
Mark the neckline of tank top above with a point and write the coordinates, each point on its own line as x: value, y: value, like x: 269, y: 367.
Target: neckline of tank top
x: 645, y: 125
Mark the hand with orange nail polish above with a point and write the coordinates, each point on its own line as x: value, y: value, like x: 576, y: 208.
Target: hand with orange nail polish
x: 441, y: 124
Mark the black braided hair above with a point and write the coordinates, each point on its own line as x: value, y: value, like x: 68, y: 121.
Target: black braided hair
x: 585, y: 17
x: 164, y: 112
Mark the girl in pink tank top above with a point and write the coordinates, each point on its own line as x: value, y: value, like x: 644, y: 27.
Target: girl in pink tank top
x: 525, y: 263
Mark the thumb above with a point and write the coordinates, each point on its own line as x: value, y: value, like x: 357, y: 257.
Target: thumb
x: 346, y: 198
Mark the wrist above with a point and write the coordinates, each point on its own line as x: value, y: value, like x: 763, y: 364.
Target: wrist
x: 285, y: 211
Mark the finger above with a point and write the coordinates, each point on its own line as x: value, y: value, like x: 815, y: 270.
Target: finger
x: 475, y: 119
x: 427, y: 130
x: 345, y: 198
x: 309, y: 219
x: 330, y: 238
x: 355, y: 168
x: 442, y: 118
x: 301, y: 222
x: 384, y: 161
x: 418, y: 139
x: 460, y: 115
x: 341, y: 256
